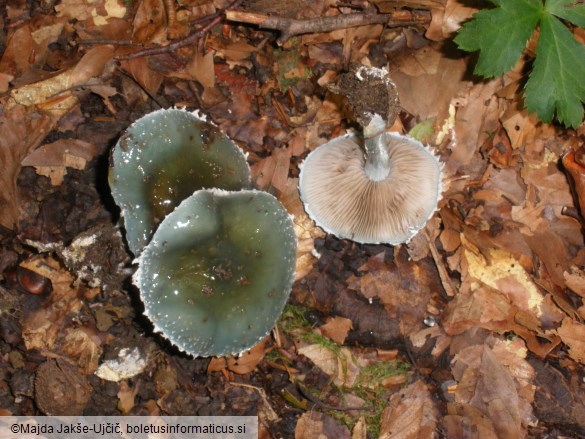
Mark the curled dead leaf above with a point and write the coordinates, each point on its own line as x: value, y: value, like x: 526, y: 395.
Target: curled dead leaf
x: 55, y: 95
x: 241, y: 364
x: 305, y: 229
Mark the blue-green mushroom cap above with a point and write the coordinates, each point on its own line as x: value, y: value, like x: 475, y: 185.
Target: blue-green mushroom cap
x: 161, y: 159
x: 218, y: 271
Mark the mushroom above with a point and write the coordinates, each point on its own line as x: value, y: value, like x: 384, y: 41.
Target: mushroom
x: 161, y: 159
x: 218, y: 271
x: 377, y: 187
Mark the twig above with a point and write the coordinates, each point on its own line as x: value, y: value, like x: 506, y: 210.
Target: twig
x: 190, y: 39
x: 320, y: 404
x: 443, y: 274
x: 290, y: 27
x: 99, y: 41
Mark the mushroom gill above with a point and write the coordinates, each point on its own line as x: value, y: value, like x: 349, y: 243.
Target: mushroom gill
x: 344, y: 201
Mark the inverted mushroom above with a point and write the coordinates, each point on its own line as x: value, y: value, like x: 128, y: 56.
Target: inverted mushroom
x: 376, y: 188
x: 218, y: 271
x: 343, y: 200
x: 162, y: 159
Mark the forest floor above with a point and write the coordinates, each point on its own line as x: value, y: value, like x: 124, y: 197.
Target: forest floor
x: 473, y: 329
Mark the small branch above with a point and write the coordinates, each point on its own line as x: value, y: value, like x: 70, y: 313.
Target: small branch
x: 450, y: 289
x: 98, y: 41
x: 290, y: 27
x: 320, y: 404
x: 189, y: 40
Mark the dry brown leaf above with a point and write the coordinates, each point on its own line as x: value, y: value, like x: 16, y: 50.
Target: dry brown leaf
x: 575, y: 280
x: 550, y: 234
x: 85, y: 346
x: 326, y: 53
x: 55, y: 95
x: 204, y: 8
x: 512, y: 354
x: 305, y: 229
x: 21, y: 132
x: 78, y: 9
x: 456, y: 12
x: 263, y: 170
x: 360, y: 429
x: 20, y: 51
x: 573, y: 335
x: 478, y: 113
x: 90, y: 65
x: 465, y: 421
x: 126, y: 396
x: 487, y: 384
x: 52, y: 159
x: 442, y: 341
x: 450, y: 240
x: 336, y: 329
x: 418, y: 247
x: 410, y: 414
x: 202, y: 69
x: 341, y: 365
x: 50, y: 327
x: 237, y: 51
x: 484, y: 307
x: 520, y: 126
x: 404, y: 288
x: 416, y: 75
x: 498, y: 294
x: 139, y: 69
x: 481, y: 307
x: 315, y: 425
x: 165, y: 377
x: 241, y: 364
x: 48, y: 33
x: 273, y: 170
x: 5, y: 81
x: 298, y: 143
x: 150, y: 22
x: 501, y: 271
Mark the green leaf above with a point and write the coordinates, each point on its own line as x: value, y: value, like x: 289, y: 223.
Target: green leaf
x: 557, y: 80
x: 568, y: 10
x: 500, y: 34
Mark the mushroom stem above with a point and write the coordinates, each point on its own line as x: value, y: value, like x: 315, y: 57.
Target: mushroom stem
x: 377, y: 166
